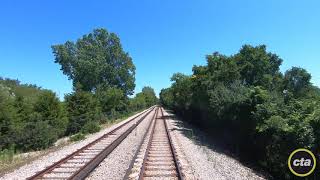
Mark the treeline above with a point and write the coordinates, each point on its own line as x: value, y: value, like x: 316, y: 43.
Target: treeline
x: 32, y: 118
x: 258, y: 112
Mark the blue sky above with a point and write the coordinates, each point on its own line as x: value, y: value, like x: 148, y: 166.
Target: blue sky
x: 162, y: 36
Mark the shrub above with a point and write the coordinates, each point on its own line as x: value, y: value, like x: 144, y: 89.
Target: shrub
x: 7, y: 155
x: 90, y: 127
x: 77, y: 137
x: 261, y: 114
x: 82, y: 108
x: 37, y: 135
x: 51, y: 110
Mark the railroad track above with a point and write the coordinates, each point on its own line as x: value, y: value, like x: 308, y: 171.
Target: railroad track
x: 156, y: 157
x: 80, y: 163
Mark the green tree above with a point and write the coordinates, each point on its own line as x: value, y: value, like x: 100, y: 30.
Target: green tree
x: 258, y: 67
x: 181, y: 91
x: 297, y: 81
x: 96, y: 59
x: 144, y: 99
x: 149, y: 95
x: 221, y: 69
x: 111, y: 99
x: 137, y: 103
x: 166, y: 98
x: 7, y: 118
x: 37, y: 134
x: 82, y: 108
x: 29, y: 92
x: 23, y: 109
x: 260, y: 114
x: 51, y: 110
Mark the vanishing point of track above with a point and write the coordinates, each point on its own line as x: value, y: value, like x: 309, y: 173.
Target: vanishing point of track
x: 156, y: 157
x: 80, y: 163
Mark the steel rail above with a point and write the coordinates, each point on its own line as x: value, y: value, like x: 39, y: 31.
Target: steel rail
x: 89, y: 166
x: 180, y: 176
x: 140, y: 145
x: 148, y: 148
x: 146, y: 153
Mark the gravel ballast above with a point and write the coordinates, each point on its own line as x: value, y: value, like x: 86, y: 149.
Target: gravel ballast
x: 206, y: 163
x: 197, y: 160
x: 117, y: 163
x: 39, y: 164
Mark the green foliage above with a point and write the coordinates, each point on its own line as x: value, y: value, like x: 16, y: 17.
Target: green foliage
x: 77, y: 137
x: 182, y: 91
x: 7, y: 155
x: 297, y: 81
x: 37, y: 134
x: 111, y: 99
x: 261, y: 114
x: 142, y: 100
x: 103, y: 76
x: 15, y: 88
x: 82, y: 108
x: 96, y: 59
x: 314, y: 119
x: 138, y: 102
x: 7, y: 120
x: 23, y: 109
x: 166, y: 98
x: 149, y: 95
x: 51, y: 110
x: 90, y: 127
x: 221, y: 69
x: 256, y: 66
x: 30, y: 118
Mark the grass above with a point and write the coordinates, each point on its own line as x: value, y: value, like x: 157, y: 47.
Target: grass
x: 6, y: 157
x: 77, y: 137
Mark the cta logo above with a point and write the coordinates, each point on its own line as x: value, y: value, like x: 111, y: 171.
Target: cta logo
x: 302, y: 162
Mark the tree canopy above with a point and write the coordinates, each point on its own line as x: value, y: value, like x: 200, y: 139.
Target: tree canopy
x: 103, y: 75
x: 96, y: 59
x: 259, y: 113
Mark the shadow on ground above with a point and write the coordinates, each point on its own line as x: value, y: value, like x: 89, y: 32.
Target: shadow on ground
x: 206, y: 139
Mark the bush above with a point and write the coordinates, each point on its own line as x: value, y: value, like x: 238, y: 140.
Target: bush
x: 82, y: 108
x: 37, y: 135
x: 51, y: 110
x: 77, y: 137
x: 90, y: 127
x: 30, y: 118
x: 7, y: 121
x: 7, y: 155
x: 261, y: 114
x: 111, y: 98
